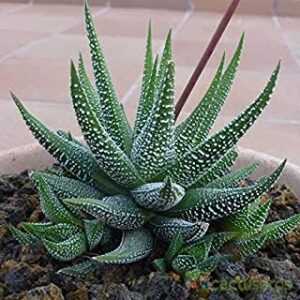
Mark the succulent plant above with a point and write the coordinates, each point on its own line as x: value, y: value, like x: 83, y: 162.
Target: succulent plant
x: 158, y: 182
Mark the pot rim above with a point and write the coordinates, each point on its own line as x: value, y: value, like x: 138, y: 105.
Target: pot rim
x: 34, y: 157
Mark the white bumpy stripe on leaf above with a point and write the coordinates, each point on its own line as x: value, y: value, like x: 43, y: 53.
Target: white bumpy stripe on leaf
x: 166, y: 228
x: 150, y: 152
x: 75, y: 158
x: 210, y: 204
x: 112, y: 114
x: 134, y: 246
x: 108, y: 154
x: 69, y: 249
x: 117, y: 211
x: 158, y: 196
x: 195, y: 162
x: 50, y: 231
x: 52, y: 207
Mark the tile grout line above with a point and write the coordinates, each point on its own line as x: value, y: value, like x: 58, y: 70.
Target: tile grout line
x: 276, y: 20
x: 45, y: 37
x: 127, y: 96
x: 19, y: 8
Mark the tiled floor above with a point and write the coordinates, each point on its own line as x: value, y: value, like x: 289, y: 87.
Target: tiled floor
x: 38, y: 41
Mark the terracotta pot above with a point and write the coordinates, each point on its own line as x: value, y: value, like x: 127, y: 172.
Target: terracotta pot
x: 34, y: 157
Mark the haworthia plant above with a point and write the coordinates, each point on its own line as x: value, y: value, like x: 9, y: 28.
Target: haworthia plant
x: 160, y: 182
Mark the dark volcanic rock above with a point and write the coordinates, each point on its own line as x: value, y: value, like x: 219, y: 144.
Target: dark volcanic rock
x: 158, y: 286
x: 49, y: 292
x: 21, y: 277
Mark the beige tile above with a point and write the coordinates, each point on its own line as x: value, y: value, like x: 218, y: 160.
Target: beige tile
x: 261, y: 51
x: 48, y: 79
x: 7, y: 7
x: 16, y: 133
x: 258, y: 57
x: 133, y: 22
x: 257, y: 7
x: 157, y: 4
x: 36, y: 23
x: 14, y: 40
x: 48, y: 9
x: 37, y: 79
x: 71, y: 2
x: 288, y: 8
x: 56, y: 47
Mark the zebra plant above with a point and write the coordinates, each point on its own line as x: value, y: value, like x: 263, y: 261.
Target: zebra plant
x: 159, y: 181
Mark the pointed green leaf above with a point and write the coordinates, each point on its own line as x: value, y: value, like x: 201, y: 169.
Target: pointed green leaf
x: 75, y: 158
x: 174, y: 247
x: 233, y: 179
x: 166, y: 56
x: 135, y: 245
x: 110, y: 157
x: 69, y: 137
x: 51, y: 232
x: 277, y: 230
x: 160, y: 265
x: 210, y: 204
x: 22, y: 237
x: 88, y: 88
x: 68, y: 188
x: 200, y: 249
x: 69, y: 249
x: 94, y: 231
x: 183, y: 263
x: 247, y: 246
x: 221, y: 93
x: 80, y: 270
x: 249, y: 222
x: 112, y: 115
x: 117, y: 211
x: 191, y: 131
x: 218, y: 169
x: 151, y: 149
x: 52, y: 207
x: 158, y: 196
x: 149, y: 78
x: 206, y: 266
x: 166, y: 228
x: 195, y: 162
x: 220, y: 238
x: 146, y: 103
